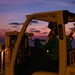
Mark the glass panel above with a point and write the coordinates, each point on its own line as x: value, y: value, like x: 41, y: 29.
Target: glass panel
x: 68, y: 27
x: 39, y: 29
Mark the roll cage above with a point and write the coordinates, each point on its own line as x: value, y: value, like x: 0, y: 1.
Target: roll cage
x: 61, y: 17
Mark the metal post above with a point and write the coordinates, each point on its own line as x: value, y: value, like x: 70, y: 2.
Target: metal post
x: 1, y: 61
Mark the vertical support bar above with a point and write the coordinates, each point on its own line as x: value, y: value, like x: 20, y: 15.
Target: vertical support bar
x: 7, y: 54
x: 62, y: 45
x: 1, y: 61
x: 15, y: 51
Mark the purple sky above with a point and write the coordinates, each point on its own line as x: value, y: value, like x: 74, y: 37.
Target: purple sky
x: 13, y: 12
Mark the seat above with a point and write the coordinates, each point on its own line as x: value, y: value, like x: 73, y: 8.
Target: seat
x: 44, y: 73
x: 70, y: 70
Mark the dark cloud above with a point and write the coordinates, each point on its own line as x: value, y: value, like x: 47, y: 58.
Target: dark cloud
x: 44, y: 33
x: 70, y: 28
x: 37, y: 31
x: 34, y: 30
x: 14, y: 26
x: 72, y: 3
x: 44, y: 27
x: 15, y: 23
x: 8, y: 29
x: 33, y: 21
x: 3, y: 30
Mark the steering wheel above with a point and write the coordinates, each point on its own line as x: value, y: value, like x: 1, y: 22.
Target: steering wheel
x: 36, y: 41
x: 38, y: 50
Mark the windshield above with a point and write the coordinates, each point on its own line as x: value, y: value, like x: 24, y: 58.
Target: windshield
x: 39, y: 29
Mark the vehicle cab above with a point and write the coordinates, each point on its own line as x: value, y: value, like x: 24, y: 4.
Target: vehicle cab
x: 15, y: 49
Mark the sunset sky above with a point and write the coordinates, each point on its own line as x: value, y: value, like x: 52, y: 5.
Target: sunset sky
x: 13, y: 13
